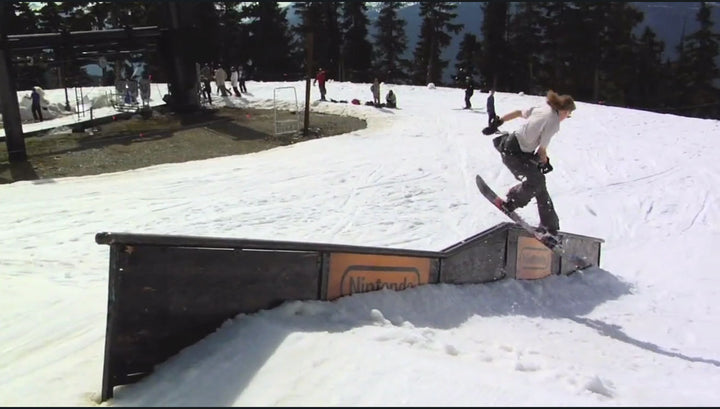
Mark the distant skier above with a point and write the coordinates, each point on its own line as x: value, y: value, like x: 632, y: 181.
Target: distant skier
x: 524, y: 153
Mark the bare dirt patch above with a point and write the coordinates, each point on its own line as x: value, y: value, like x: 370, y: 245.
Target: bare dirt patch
x: 165, y: 137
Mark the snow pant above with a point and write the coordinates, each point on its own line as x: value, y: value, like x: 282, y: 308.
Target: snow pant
x: 323, y: 91
x: 36, y: 112
x: 243, y: 88
x: 524, y: 167
x: 491, y: 116
x: 236, y: 91
x: 207, y: 93
x: 468, y: 94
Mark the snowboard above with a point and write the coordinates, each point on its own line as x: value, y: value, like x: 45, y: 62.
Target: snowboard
x: 578, y: 262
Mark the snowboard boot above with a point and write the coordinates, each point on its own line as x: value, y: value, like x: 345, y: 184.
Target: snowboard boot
x: 506, y: 206
x: 549, y: 238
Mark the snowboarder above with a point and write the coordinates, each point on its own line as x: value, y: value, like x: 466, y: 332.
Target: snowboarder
x: 524, y: 153
x: 491, y: 107
x: 469, y: 90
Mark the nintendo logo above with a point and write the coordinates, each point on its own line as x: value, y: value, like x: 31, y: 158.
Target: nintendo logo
x: 359, y: 273
x: 534, y: 260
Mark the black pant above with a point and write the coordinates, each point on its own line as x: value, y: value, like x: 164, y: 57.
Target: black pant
x: 468, y: 94
x: 243, y: 88
x: 322, y: 90
x: 206, y: 90
x: 524, y: 165
x: 491, y: 116
x: 36, y: 111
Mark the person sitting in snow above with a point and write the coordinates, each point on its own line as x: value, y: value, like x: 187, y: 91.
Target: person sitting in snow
x: 391, y: 100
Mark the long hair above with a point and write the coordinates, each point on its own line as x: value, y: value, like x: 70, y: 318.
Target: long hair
x: 560, y: 102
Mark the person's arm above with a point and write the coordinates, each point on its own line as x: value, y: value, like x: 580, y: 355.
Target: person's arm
x: 511, y: 115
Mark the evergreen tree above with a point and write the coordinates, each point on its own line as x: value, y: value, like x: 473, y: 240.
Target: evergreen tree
x: 19, y: 18
x: 494, y: 53
x: 428, y: 65
x: 650, y: 72
x: 524, y: 51
x: 390, y: 44
x: 272, y: 48
x: 321, y: 18
x: 467, y: 59
x: 357, y: 51
x: 697, y: 70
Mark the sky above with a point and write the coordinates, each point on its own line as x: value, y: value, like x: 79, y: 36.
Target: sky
x: 641, y: 329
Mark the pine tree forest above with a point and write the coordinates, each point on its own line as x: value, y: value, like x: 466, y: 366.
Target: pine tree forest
x: 588, y: 49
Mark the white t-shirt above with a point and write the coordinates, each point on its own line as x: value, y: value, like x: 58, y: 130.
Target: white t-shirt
x: 542, y: 123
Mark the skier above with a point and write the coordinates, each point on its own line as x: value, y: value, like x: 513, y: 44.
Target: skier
x: 524, y: 153
x: 320, y: 79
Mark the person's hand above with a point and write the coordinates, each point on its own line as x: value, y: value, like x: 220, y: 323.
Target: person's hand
x: 545, y: 167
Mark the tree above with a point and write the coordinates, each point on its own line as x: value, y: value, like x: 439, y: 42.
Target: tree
x: 321, y: 18
x: 390, y: 44
x: 434, y: 37
x: 524, y: 51
x: 357, y: 51
x: 697, y: 69
x: 272, y: 48
x: 467, y: 58
x: 494, y: 55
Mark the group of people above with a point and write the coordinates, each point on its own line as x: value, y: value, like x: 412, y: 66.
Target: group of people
x: 390, y: 99
x: 238, y: 76
x: 128, y: 89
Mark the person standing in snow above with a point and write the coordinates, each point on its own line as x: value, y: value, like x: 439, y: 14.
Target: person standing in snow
x: 220, y: 78
x: 235, y: 80
x: 469, y: 91
x: 242, y: 75
x: 320, y: 79
x: 145, y: 88
x: 205, y: 78
x: 491, y: 107
x: 524, y: 153
x: 35, y: 107
x: 375, y: 88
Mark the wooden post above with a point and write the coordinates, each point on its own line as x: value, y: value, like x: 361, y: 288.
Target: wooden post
x: 308, y: 76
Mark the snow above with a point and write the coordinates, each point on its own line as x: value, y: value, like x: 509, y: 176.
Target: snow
x: 641, y: 330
